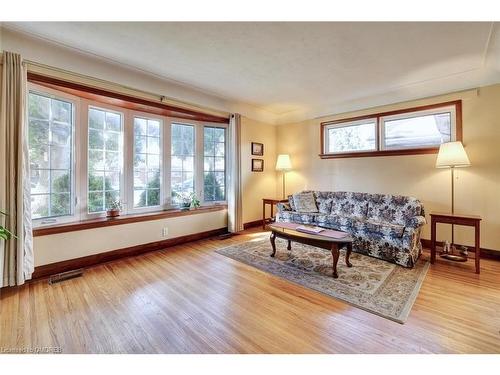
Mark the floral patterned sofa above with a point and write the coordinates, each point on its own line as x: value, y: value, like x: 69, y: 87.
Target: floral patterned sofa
x: 383, y: 226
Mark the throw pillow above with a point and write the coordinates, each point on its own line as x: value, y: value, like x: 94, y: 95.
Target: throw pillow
x: 305, y: 202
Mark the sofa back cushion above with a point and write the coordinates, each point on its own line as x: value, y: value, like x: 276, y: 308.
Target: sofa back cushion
x: 305, y: 202
x: 396, y: 209
x: 324, y: 201
x: 346, y: 203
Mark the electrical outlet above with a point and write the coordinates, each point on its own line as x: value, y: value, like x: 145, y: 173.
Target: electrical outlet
x: 164, y: 232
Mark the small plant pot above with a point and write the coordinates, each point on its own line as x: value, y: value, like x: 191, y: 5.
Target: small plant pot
x: 185, y: 206
x: 113, y: 213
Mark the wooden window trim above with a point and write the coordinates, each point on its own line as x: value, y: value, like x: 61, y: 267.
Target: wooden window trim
x: 122, y: 100
x: 120, y: 220
x: 414, y: 151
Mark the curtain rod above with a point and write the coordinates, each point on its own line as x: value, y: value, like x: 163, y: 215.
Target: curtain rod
x: 161, y: 98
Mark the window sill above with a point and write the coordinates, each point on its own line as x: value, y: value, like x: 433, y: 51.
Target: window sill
x: 125, y: 219
x: 410, y: 151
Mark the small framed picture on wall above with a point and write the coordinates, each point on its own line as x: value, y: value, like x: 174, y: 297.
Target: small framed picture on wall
x: 257, y: 149
x: 257, y: 165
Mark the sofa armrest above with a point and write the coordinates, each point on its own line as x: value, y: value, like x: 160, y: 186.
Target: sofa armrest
x: 416, y: 222
x: 283, y: 207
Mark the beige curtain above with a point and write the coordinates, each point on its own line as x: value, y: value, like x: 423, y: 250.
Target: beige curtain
x: 16, y: 254
x: 234, y: 201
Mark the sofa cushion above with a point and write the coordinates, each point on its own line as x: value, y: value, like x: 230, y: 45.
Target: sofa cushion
x: 297, y: 217
x: 324, y: 202
x: 395, y: 209
x: 350, y: 204
x: 377, y: 229
x: 305, y: 202
x: 339, y: 222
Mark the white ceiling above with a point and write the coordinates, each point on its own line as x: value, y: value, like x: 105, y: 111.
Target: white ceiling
x: 297, y: 70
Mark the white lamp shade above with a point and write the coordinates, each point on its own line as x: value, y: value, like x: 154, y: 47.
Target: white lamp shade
x: 283, y: 163
x: 452, y: 154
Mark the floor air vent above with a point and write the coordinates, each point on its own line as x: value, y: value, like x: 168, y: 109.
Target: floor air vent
x: 65, y: 276
x: 225, y: 236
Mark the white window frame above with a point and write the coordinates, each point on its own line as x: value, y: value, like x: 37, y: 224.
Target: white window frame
x: 196, y: 170
x: 226, y: 152
x: 348, y: 124
x: 129, y: 160
x: 199, y: 160
x: 408, y: 115
x: 80, y: 138
x: 86, y: 106
x: 75, y: 149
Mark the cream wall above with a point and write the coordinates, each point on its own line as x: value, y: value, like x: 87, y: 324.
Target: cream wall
x: 477, y: 187
x: 257, y: 185
x: 64, y: 246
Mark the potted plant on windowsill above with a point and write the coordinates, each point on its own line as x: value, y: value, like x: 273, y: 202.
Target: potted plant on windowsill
x: 184, y: 201
x: 114, y: 208
x: 5, y: 234
x: 195, y: 202
x: 187, y: 201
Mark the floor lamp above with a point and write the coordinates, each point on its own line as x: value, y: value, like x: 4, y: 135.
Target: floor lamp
x: 283, y: 164
x: 452, y: 155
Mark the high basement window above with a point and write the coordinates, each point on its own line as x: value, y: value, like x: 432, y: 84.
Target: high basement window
x: 409, y: 131
x: 351, y: 136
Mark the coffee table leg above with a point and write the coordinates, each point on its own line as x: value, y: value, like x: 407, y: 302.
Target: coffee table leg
x: 348, y: 254
x: 289, y: 247
x: 273, y: 243
x: 335, y: 255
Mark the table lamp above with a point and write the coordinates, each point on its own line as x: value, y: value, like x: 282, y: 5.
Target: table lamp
x: 283, y: 164
x: 452, y: 155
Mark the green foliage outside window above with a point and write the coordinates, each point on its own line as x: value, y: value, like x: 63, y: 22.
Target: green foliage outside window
x: 151, y: 196
x: 214, y: 191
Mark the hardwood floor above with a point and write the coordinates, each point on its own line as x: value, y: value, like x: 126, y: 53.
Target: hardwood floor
x: 188, y: 299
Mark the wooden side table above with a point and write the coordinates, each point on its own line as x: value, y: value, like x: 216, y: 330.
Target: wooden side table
x: 456, y: 219
x: 271, y: 202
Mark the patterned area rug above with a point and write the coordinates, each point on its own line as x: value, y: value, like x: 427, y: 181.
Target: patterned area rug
x: 371, y: 284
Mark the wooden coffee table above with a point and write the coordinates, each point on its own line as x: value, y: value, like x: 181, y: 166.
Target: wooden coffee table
x: 328, y: 243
